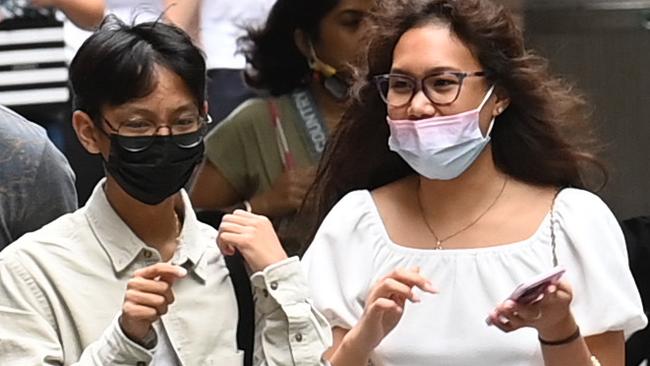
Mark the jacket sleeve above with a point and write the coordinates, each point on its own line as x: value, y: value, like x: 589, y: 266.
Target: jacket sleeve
x: 289, y: 330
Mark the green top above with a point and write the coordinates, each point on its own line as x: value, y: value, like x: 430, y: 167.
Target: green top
x: 245, y: 150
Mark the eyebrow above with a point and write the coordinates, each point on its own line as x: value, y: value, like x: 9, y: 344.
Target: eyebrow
x: 352, y: 12
x: 187, y: 107
x: 145, y: 111
x: 430, y: 71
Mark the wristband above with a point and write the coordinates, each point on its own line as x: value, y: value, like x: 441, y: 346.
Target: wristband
x: 575, y: 335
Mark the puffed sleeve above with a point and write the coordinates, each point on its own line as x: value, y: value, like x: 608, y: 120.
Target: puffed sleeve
x: 605, y: 297
x: 338, y: 263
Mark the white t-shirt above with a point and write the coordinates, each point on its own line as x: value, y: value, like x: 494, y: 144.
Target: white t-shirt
x: 135, y: 10
x: 221, y: 25
x: 352, y: 251
x: 127, y: 10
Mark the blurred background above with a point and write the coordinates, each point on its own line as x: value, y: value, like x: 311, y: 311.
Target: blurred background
x: 603, y: 46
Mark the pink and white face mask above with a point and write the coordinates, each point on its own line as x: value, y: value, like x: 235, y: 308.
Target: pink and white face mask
x: 440, y: 147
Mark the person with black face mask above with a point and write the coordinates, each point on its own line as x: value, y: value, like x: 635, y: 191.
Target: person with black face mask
x: 263, y: 155
x: 133, y: 278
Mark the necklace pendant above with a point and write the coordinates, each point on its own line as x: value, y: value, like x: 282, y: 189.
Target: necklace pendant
x: 439, y: 245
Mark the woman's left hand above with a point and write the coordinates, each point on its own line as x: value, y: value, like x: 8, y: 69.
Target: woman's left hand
x: 253, y: 235
x: 551, y: 315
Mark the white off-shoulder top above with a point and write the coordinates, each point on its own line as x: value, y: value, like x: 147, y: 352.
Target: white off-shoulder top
x: 352, y: 250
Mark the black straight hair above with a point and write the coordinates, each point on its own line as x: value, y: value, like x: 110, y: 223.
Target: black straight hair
x: 117, y: 64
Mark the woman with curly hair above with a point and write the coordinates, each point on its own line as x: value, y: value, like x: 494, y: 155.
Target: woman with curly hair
x: 461, y: 169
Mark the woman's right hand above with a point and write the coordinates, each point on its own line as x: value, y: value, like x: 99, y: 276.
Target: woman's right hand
x: 286, y: 194
x: 385, y: 306
x: 253, y: 235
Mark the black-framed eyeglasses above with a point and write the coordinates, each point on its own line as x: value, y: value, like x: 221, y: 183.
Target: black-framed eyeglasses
x: 138, y: 134
x: 441, y: 88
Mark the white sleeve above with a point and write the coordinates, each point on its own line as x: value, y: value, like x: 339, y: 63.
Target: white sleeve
x: 605, y: 297
x: 338, y: 263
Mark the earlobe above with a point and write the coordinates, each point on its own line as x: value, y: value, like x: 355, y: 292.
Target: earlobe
x: 302, y: 43
x: 501, y: 105
x: 84, y: 128
x: 206, y: 107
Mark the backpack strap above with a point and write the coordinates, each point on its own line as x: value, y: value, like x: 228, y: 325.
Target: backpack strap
x: 245, y: 304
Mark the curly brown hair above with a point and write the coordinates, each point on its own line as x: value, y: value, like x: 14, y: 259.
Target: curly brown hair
x: 543, y: 138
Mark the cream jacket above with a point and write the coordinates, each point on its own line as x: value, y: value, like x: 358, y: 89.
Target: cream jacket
x: 62, y: 288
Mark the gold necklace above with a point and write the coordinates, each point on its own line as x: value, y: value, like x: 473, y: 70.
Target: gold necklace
x: 433, y: 232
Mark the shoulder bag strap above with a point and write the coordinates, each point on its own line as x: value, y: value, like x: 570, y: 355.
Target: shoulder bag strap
x: 553, y: 242
x: 245, y: 304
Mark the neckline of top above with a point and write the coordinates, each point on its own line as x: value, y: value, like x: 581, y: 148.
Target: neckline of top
x: 542, y: 233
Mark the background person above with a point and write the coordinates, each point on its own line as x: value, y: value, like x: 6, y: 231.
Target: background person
x: 36, y: 182
x: 264, y: 153
x: 34, y: 62
x: 217, y: 25
x: 451, y: 170
x: 85, y: 14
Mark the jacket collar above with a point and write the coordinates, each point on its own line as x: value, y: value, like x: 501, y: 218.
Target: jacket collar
x: 123, y: 246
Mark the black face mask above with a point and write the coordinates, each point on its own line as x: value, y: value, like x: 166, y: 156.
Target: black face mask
x: 153, y: 174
